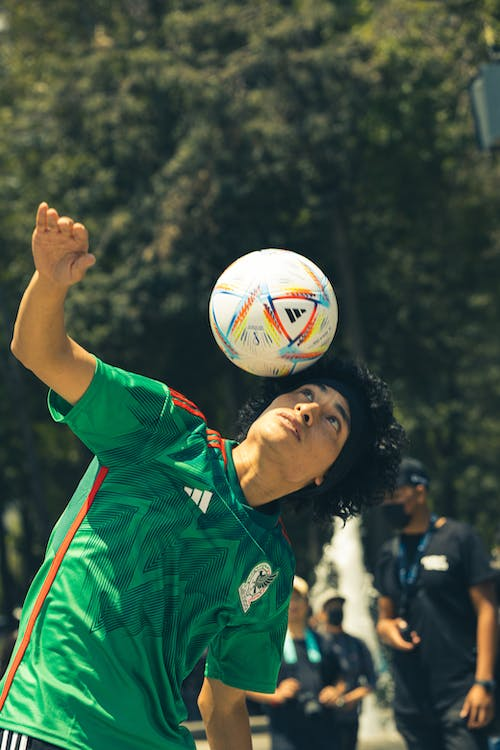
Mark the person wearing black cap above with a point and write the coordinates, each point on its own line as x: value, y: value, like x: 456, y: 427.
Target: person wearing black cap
x: 301, y: 709
x: 172, y: 541
x: 356, y: 664
x: 437, y: 612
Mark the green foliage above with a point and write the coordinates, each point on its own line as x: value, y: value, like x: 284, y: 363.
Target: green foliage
x: 187, y: 133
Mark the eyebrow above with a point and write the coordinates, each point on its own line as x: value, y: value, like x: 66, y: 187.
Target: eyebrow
x: 324, y: 388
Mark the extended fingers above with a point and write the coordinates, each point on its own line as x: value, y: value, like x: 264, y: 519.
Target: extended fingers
x: 41, y: 217
x: 48, y: 219
x: 65, y: 225
x: 80, y: 233
x: 52, y: 218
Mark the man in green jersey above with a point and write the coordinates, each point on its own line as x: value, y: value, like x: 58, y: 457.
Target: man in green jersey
x: 171, y: 543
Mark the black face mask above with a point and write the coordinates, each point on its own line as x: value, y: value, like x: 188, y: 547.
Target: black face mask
x: 335, y: 616
x: 396, y: 515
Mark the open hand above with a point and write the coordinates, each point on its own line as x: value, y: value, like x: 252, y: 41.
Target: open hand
x: 60, y: 247
x: 478, y: 708
x: 390, y: 631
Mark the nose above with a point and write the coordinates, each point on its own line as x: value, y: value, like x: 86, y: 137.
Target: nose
x: 308, y: 411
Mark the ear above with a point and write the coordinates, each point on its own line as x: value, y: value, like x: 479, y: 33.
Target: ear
x: 319, y: 480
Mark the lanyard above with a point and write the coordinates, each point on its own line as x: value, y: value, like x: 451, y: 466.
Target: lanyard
x: 408, y: 574
x: 312, y: 648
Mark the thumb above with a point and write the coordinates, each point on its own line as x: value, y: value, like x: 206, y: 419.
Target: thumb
x: 89, y: 260
x: 81, y: 265
x: 85, y: 261
x: 465, y: 709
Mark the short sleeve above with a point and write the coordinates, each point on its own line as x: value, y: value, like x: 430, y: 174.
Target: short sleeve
x: 477, y: 562
x: 368, y: 669
x: 248, y: 657
x: 125, y: 418
x: 383, y: 579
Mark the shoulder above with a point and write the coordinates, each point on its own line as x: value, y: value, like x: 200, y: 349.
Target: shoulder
x: 361, y: 646
x: 457, y: 528
x: 355, y: 640
x: 460, y: 531
x: 353, y: 643
x: 388, y: 550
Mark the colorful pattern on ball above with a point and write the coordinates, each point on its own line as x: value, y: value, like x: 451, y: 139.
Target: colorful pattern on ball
x: 273, y: 312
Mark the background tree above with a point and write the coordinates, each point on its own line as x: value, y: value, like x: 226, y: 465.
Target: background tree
x: 187, y: 133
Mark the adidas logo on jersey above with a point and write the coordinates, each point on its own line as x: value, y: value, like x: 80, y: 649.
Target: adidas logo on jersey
x: 200, y: 497
x: 294, y: 313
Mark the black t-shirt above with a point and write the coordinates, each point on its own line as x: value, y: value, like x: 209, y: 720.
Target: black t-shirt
x: 441, y: 668
x: 356, y: 665
x: 298, y: 723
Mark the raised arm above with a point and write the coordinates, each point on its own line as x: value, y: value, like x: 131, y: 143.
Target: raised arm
x: 40, y: 341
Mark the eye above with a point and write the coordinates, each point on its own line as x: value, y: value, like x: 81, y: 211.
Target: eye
x: 307, y: 393
x: 335, y: 422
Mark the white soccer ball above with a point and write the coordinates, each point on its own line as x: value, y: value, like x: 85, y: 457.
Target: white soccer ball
x: 273, y: 312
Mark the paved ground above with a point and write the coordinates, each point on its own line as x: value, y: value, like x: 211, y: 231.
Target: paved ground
x: 262, y: 742
x: 384, y: 740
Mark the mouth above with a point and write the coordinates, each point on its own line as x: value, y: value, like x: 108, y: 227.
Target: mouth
x: 291, y: 423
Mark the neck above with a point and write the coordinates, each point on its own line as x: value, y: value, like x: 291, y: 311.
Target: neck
x: 297, y: 630
x: 419, y: 522
x: 335, y: 629
x: 259, y: 485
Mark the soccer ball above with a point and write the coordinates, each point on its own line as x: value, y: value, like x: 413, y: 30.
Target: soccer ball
x: 273, y: 312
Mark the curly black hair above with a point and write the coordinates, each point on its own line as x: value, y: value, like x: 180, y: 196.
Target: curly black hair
x: 374, y: 472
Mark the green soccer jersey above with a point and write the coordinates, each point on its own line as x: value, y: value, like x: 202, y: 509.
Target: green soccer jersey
x: 157, y: 557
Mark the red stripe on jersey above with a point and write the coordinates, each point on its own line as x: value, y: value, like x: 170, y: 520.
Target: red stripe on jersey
x: 184, y: 403
x: 223, y: 451
x: 285, y: 533
x: 215, y: 440
x: 54, y: 567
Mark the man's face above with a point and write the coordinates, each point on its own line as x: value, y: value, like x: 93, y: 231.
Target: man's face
x: 407, y: 496
x: 298, y: 609
x: 304, y: 431
x: 333, y: 612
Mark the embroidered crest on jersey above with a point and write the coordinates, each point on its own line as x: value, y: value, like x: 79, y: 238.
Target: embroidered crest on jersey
x: 435, y: 562
x: 256, y: 584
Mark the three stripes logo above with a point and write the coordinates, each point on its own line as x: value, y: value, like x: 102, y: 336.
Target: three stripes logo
x: 13, y: 740
x: 294, y: 313
x: 200, y: 497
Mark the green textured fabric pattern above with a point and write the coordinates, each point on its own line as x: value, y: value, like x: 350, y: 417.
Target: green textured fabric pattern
x: 168, y: 560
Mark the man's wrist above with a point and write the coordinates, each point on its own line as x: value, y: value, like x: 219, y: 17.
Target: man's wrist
x: 489, y: 685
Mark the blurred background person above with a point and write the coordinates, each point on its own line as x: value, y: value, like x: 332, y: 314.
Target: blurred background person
x: 300, y: 710
x: 356, y: 665
x: 437, y: 612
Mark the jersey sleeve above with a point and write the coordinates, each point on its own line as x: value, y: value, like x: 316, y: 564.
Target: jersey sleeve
x: 123, y: 417
x: 248, y: 657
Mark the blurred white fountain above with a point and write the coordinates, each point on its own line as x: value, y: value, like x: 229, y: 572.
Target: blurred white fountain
x: 342, y: 566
